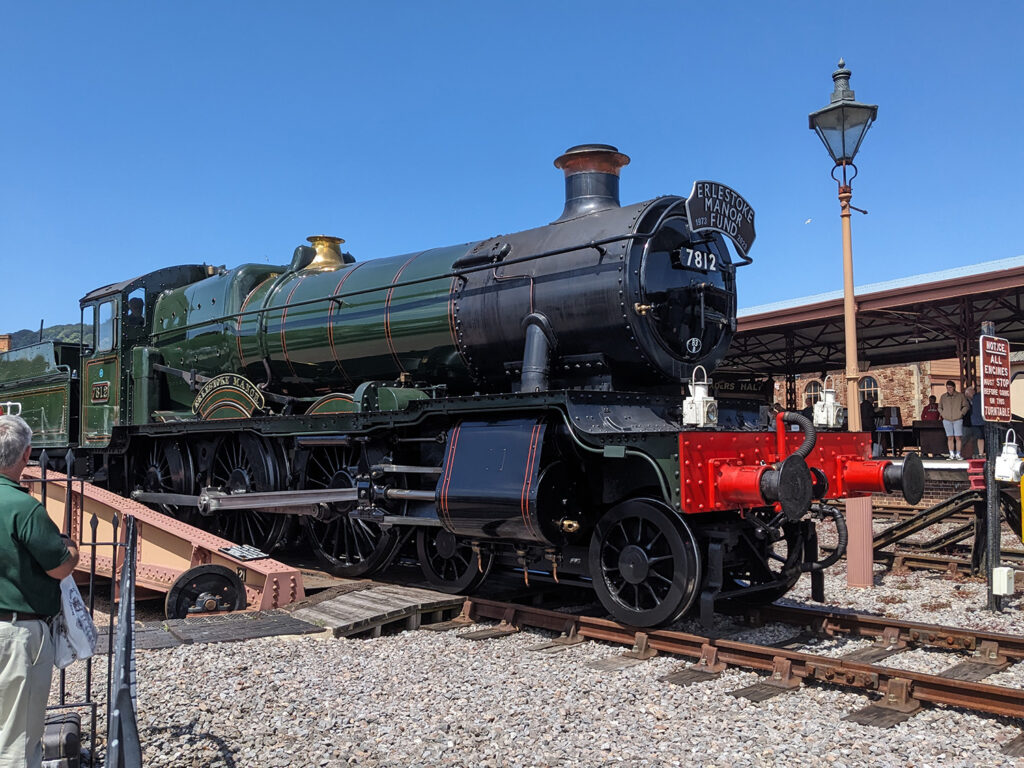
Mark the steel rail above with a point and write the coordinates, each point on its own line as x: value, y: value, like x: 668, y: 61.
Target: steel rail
x: 932, y: 689
x: 929, y: 561
x: 867, y: 625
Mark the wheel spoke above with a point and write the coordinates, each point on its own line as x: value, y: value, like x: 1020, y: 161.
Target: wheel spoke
x: 636, y: 597
x: 658, y: 534
x: 659, y: 577
x: 321, y: 476
x: 251, y: 461
x: 654, y: 596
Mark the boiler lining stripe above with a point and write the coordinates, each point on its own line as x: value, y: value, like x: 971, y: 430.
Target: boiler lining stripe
x: 284, y: 316
x: 387, y: 313
x: 330, y: 322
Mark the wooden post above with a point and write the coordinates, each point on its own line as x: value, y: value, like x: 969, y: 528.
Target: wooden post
x: 860, y: 552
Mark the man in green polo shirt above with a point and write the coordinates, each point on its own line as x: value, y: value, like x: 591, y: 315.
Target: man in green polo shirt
x: 34, y: 557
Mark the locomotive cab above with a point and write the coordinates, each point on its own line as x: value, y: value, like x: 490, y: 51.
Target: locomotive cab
x: 117, y: 323
x: 102, y: 367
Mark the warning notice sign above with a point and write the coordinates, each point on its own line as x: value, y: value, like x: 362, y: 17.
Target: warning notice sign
x: 995, y: 379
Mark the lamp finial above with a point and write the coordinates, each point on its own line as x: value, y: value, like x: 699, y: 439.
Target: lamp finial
x: 841, y: 78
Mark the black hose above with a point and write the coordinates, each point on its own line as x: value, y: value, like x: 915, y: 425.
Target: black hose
x: 810, y: 433
x: 841, y: 533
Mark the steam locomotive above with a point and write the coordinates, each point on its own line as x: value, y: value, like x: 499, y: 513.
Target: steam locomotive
x: 535, y: 401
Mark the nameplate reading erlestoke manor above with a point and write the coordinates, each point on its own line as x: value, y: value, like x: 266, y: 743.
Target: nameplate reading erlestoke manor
x: 714, y: 206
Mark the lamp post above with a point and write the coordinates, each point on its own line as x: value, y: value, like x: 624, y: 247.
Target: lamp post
x: 841, y: 127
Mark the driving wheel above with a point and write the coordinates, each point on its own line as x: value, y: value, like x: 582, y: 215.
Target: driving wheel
x: 347, y: 547
x: 241, y: 464
x: 165, y: 466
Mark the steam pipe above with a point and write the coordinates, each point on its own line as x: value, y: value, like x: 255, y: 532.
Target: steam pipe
x: 810, y: 433
x: 540, y: 340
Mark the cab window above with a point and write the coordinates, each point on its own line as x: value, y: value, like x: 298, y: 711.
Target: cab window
x: 135, y: 309
x: 105, y: 327
x: 89, y: 327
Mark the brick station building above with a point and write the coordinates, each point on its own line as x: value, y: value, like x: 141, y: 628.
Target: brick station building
x: 913, y: 335
x: 906, y: 387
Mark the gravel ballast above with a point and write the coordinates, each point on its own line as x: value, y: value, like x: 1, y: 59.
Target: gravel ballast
x: 432, y: 699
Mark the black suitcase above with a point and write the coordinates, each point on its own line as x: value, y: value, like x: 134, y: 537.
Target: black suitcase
x: 62, y: 741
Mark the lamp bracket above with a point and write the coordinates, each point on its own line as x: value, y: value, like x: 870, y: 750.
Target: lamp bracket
x: 859, y: 210
x: 844, y: 181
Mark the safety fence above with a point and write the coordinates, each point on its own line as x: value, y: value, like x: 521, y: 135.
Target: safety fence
x: 64, y: 746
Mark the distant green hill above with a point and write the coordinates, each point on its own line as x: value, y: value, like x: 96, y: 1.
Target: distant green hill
x: 70, y: 334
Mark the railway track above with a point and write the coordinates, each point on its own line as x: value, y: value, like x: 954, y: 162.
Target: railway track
x: 942, y: 537
x: 789, y: 664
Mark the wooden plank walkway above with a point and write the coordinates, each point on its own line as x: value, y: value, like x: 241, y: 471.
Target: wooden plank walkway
x: 364, y: 607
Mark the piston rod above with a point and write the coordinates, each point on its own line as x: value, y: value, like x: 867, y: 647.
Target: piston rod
x: 211, y: 500
x: 216, y: 501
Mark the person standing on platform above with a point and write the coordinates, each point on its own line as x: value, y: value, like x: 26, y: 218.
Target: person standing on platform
x: 931, y: 411
x: 974, y: 425
x: 867, y: 420
x: 952, y: 407
x: 34, y: 557
x: 867, y: 414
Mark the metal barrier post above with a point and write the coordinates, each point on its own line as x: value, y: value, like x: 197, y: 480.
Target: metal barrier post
x: 993, y: 549
x: 123, y: 747
x: 73, y: 524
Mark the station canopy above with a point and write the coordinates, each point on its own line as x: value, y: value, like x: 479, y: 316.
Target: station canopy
x: 935, y: 316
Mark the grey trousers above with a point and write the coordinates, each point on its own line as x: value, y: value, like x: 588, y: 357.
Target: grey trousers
x: 26, y: 666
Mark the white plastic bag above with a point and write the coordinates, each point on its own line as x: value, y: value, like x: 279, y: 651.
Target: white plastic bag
x: 73, y: 633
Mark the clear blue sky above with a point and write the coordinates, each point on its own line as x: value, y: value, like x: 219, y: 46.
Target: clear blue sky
x: 140, y: 135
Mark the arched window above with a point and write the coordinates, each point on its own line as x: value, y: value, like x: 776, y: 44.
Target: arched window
x: 812, y: 393
x: 868, y: 388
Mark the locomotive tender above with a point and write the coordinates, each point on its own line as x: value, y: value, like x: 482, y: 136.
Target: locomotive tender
x: 520, y: 400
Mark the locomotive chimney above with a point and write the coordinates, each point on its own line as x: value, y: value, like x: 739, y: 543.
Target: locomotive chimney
x: 591, y: 178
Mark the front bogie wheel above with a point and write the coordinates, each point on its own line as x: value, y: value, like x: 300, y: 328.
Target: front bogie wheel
x: 449, y: 563
x: 644, y: 563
